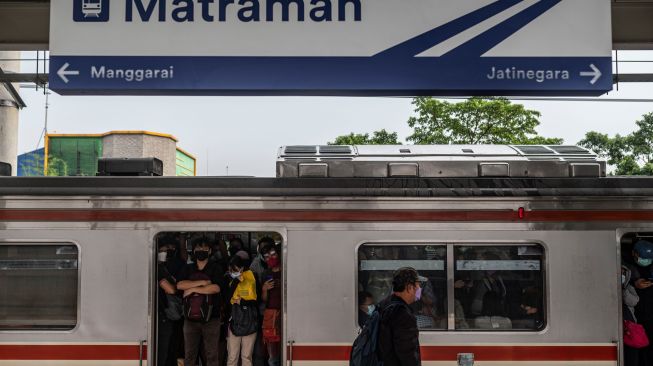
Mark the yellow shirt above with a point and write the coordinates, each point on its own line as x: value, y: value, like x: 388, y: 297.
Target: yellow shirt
x: 246, y: 289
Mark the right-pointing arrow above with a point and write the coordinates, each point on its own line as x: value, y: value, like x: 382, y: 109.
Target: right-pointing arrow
x: 64, y: 72
x: 596, y: 73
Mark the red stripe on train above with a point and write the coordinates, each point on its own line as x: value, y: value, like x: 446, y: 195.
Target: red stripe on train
x: 326, y: 353
x: 325, y: 215
x: 70, y: 352
x: 481, y: 353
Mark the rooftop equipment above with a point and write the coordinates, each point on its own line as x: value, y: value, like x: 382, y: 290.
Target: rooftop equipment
x: 5, y: 169
x: 130, y: 167
x: 439, y: 161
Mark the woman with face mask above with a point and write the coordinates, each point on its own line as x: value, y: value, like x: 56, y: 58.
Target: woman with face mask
x: 243, y: 319
x: 630, y: 300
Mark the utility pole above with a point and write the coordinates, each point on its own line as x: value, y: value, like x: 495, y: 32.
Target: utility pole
x: 9, y: 113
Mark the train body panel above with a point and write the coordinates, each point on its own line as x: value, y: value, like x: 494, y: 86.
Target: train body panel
x: 322, y: 239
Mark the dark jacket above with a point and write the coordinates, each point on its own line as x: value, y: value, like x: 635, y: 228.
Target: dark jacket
x: 398, y: 335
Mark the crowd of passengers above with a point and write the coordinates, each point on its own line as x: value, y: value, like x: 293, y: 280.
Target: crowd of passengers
x: 219, y: 306
x: 484, y: 299
x: 637, y: 307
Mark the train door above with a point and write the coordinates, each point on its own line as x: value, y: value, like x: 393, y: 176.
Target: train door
x: 636, y: 249
x: 193, y: 324
x: 72, y: 294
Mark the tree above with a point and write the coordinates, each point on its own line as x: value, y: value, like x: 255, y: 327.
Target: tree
x: 475, y: 121
x: 632, y: 154
x: 381, y: 137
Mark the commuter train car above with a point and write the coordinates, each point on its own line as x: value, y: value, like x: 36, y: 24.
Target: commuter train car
x: 541, y: 228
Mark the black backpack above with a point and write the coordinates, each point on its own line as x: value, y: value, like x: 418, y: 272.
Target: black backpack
x: 364, y: 350
x: 244, y: 318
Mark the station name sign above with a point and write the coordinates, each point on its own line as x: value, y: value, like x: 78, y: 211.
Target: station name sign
x: 243, y: 10
x: 331, y: 47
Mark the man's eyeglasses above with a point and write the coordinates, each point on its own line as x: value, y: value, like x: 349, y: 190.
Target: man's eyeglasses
x: 269, y: 254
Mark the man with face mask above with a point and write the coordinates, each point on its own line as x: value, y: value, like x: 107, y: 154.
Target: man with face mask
x: 398, y: 335
x: 202, y: 278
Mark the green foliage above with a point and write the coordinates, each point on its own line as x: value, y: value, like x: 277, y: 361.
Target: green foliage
x: 632, y: 154
x: 57, y: 167
x: 475, y: 121
x: 381, y: 137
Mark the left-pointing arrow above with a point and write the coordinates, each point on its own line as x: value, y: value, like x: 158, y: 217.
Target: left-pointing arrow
x: 64, y: 72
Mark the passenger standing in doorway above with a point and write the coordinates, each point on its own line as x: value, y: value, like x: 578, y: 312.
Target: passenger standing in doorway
x: 642, y: 258
x: 271, y: 295
x: 630, y: 300
x: 168, y: 312
x: 243, y: 319
x: 174, y: 264
x: 398, y: 334
x: 258, y: 267
x: 201, y: 283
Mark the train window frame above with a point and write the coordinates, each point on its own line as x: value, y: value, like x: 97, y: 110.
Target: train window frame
x: 450, y: 280
x: 78, y: 289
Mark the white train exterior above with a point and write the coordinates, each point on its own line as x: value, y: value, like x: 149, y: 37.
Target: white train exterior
x: 324, y: 220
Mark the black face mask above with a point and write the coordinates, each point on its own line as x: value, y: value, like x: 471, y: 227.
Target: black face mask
x: 201, y: 255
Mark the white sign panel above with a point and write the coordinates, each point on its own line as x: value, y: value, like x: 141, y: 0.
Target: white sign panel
x: 343, y: 47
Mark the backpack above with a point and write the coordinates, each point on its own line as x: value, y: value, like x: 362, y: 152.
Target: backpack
x: 198, y: 307
x: 174, y: 309
x: 244, y: 318
x: 364, y: 350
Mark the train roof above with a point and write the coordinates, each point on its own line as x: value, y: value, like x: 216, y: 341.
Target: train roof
x: 327, y: 187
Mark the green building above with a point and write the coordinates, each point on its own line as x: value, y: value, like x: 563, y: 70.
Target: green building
x: 78, y: 154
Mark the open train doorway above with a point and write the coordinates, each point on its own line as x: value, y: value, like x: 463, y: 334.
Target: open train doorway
x: 637, y: 297
x: 218, y: 298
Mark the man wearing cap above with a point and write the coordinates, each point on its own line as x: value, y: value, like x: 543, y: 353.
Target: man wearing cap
x: 398, y: 336
x: 641, y: 275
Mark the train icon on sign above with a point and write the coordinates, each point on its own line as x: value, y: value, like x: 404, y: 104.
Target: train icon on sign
x: 91, y: 10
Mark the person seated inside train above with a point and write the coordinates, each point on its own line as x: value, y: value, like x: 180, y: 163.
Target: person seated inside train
x: 271, y: 296
x: 492, y: 281
x: 201, y: 283
x: 426, y: 314
x: 366, y: 307
x: 492, y: 314
x: 530, y: 316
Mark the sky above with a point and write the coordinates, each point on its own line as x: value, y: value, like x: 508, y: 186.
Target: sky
x: 241, y: 135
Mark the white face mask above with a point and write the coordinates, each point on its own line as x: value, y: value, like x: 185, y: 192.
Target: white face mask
x: 623, y: 279
x: 235, y: 275
x: 162, y: 256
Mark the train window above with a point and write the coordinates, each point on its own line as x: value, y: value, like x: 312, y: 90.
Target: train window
x: 38, y: 286
x: 376, y: 265
x: 499, y: 288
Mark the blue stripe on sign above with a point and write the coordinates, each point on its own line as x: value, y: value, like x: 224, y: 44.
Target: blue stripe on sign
x: 440, y: 34
x: 486, y: 41
x: 338, y: 75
